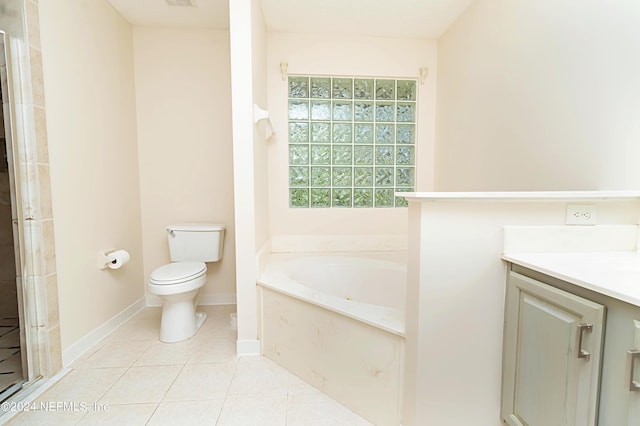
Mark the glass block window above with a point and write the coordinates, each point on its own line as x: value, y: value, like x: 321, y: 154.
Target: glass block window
x: 351, y: 141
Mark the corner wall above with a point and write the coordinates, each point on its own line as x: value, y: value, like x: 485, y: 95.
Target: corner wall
x: 539, y: 95
x: 87, y: 56
x: 183, y: 95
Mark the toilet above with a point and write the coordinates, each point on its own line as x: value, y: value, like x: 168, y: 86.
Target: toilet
x: 178, y: 283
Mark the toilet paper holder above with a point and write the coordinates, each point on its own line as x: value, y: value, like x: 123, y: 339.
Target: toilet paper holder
x: 106, y: 258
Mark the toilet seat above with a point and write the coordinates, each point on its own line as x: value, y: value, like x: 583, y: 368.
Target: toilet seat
x: 177, y: 272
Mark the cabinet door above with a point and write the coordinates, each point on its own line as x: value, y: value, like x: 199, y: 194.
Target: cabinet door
x: 552, y: 350
x: 633, y: 378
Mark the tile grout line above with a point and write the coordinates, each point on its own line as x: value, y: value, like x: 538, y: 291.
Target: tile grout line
x: 165, y: 393
x: 226, y: 394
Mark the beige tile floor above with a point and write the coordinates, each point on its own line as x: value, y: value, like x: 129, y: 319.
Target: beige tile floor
x: 134, y: 379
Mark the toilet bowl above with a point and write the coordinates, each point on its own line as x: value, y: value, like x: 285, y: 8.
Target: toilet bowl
x: 178, y: 284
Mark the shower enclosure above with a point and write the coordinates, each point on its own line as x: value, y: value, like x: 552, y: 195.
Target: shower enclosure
x: 13, y: 365
x: 30, y: 346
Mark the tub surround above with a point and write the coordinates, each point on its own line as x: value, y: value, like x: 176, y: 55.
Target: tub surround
x: 351, y: 349
x: 357, y: 364
x: 456, y: 287
x: 278, y: 276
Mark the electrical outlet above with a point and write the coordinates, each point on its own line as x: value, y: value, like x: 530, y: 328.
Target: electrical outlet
x: 581, y: 214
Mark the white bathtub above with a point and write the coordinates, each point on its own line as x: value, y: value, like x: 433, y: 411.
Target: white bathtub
x: 337, y: 321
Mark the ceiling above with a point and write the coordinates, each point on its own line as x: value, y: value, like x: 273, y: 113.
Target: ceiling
x: 385, y: 18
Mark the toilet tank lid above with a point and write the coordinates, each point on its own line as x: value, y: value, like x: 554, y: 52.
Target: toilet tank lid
x: 196, y: 227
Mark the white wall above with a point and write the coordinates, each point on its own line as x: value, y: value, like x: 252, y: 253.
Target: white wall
x: 261, y: 163
x: 344, y: 55
x: 87, y: 56
x: 183, y: 90
x: 538, y: 95
x: 245, y: 27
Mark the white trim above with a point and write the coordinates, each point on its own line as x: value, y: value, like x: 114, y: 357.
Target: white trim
x: 81, y: 346
x: 203, y: 299
x: 248, y: 347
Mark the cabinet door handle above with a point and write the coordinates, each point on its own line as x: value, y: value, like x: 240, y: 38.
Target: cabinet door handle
x: 632, y: 356
x: 582, y: 327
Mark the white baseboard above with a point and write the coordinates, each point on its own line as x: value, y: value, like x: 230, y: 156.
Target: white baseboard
x: 203, y: 299
x: 248, y: 347
x: 74, y: 351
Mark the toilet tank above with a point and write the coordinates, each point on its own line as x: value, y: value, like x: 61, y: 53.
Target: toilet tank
x: 195, y: 242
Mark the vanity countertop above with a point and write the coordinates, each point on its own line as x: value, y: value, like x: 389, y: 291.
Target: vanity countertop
x: 614, y: 274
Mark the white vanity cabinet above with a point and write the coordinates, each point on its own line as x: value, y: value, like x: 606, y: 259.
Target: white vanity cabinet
x: 571, y: 355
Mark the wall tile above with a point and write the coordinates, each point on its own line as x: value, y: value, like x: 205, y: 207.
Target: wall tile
x: 49, y: 247
x: 52, y: 300
x: 42, y: 142
x: 33, y: 26
x: 37, y: 80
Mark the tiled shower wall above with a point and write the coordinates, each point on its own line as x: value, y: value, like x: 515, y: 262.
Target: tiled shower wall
x: 43, y: 274
x: 35, y: 217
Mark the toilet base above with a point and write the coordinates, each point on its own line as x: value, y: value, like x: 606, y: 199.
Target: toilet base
x: 180, y: 320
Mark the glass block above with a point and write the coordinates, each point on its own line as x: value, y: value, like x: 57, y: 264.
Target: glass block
x: 384, y: 197
x: 363, y: 154
x: 298, y: 154
x: 385, y: 89
x: 384, y: 176
x: 342, y: 155
x: 401, y: 201
x: 406, y: 90
x: 298, y: 197
x: 406, y: 133
x: 320, y: 176
x: 298, y: 132
x: 363, y: 88
x: 405, y: 155
x: 384, y: 111
x: 321, y: 110
x: 404, y: 176
x: 363, y: 133
x: 406, y: 112
x: 363, y: 197
x: 342, y: 133
x: 342, y: 197
x: 321, y: 197
x: 362, y: 176
x: 320, y: 132
x: 384, y: 155
x: 363, y: 111
x: 298, y: 87
x: 342, y: 88
x: 298, y: 110
x: 320, y: 87
x: 320, y: 154
x: 342, y: 111
x: 384, y: 133
x: 298, y: 176
x: 342, y: 176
